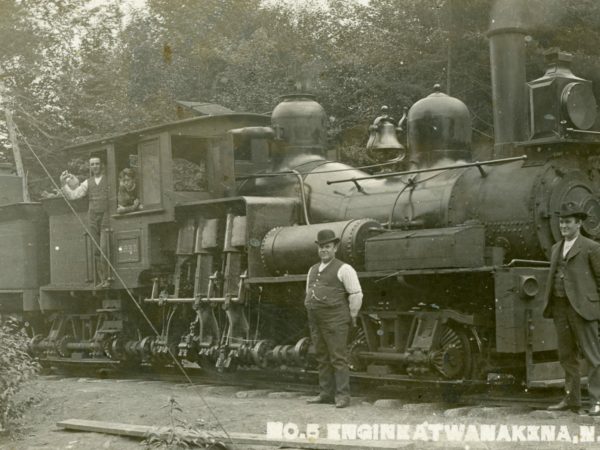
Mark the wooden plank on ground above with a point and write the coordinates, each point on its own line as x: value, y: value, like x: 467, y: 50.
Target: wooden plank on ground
x: 140, y: 431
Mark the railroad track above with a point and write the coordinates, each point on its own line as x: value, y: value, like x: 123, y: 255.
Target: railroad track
x: 306, y: 382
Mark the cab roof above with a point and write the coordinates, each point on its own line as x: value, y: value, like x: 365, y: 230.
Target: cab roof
x: 172, y: 126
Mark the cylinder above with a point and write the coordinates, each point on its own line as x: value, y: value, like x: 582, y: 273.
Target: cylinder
x: 292, y: 250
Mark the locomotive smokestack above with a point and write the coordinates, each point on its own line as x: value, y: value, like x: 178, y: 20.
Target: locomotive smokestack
x: 507, y: 57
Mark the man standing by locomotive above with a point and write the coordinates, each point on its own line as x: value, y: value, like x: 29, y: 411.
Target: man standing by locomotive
x: 333, y: 299
x: 96, y: 188
x: 573, y: 302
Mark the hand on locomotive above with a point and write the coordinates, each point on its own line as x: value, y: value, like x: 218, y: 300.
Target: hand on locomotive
x: 96, y: 188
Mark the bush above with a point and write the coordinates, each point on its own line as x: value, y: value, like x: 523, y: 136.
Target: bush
x: 16, y: 368
x: 180, y: 433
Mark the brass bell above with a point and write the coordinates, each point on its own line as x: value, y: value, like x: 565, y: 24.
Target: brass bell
x: 383, y: 139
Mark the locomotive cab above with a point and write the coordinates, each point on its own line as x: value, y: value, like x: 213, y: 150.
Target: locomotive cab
x: 178, y: 163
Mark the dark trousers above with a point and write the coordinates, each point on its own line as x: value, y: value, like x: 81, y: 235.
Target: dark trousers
x: 329, y: 333
x: 97, y: 222
x: 574, y: 332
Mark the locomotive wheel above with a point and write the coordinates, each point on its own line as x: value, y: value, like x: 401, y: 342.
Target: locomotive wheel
x: 61, y: 346
x: 260, y: 351
x: 301, y: 350
x: 453, y: 356
x: 113, y: 349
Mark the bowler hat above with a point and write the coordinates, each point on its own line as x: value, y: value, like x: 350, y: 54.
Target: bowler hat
x: 572, y: 209
x: 325, y: 237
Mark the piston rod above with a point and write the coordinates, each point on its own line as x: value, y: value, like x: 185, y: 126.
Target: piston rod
x: 393, y: 357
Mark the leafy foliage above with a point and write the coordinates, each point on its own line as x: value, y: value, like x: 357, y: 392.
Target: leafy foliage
x: 53, y: 78
x: 180, y: 433
x: 16, y: 368
x: 73, y: 70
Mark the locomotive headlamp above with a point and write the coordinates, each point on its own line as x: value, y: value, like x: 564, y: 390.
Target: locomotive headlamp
x: 560, y: 101
x: 529, y: 287
x: 579, y: 105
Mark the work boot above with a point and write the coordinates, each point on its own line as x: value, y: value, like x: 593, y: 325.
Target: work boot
x: 565, y: 405
x: 320, y: 399
x: 594, y: 410
x: 343, y: 402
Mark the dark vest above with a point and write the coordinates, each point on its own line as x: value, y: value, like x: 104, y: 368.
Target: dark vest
x: 559, y: 275
x: 324, y: 288
x: 98, y: 195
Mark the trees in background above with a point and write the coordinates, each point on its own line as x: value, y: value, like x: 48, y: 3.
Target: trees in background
x: 54, y: 71
x: 71, y: 70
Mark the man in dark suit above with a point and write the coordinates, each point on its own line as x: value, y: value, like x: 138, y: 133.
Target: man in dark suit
x: 573, y: 302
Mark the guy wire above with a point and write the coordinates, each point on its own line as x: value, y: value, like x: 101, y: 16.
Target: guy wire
x: 120, y: 279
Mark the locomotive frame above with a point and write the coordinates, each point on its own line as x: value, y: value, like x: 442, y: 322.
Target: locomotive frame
x: 452, y: 254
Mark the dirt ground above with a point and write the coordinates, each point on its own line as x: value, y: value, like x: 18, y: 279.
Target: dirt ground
x: 240, y: 410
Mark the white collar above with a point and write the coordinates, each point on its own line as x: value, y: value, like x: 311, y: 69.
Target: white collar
x: 568, y: 245
x: 322, y: 266
x: 570, y: 242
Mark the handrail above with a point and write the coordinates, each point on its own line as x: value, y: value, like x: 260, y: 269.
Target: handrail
x: 477, y: 164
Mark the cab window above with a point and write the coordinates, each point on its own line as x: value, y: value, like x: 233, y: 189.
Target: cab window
x: 189, y: 163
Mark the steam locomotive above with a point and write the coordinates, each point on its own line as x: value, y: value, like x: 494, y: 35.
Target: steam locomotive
x: 451, y: 253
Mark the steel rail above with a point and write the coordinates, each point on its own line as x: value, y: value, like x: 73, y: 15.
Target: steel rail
x: 476, y: 393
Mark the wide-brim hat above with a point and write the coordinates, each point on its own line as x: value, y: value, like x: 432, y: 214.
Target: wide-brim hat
x: 326, y: 236
x: 572, y: 209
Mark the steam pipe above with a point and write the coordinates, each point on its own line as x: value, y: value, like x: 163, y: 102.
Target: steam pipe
x: 254, y: 132
x: 298, y: 175
x: 302, y: 195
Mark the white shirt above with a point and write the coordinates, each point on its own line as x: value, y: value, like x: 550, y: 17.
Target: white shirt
x: 81, y: 190
x: 347, y: 276
x: 567, y: 246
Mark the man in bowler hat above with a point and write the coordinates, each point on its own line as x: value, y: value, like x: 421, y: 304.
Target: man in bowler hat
x: 333, y: 299
x: 572, y: 301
